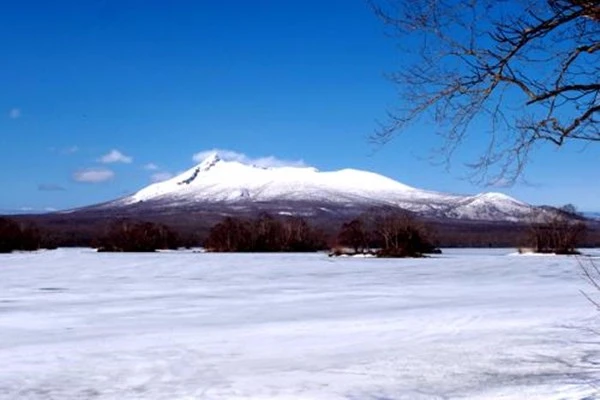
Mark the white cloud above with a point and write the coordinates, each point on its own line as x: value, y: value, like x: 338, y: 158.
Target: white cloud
x: 161, y: 176
x: 501, y: 183
x: 150, y: 167
x: 265, y: 162
x: 14, y: 113
x: 93, y: 175
x: 115, y: 156
x: 64, y: 150
x: 70, y: 150
x: 31, y: 210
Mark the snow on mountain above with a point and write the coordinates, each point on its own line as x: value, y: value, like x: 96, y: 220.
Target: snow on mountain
x: 485, y: 204
x: 231, y: 182
x: 592, y: 215
x: 216, y: 180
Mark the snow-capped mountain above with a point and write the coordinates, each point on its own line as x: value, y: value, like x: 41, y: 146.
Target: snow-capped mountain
x: 216, y: 182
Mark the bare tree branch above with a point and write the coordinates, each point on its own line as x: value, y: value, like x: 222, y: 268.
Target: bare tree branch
x: 528, y: 70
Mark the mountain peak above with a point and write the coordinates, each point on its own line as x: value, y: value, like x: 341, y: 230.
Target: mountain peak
x: 497, y: 196
x: 209, y: 161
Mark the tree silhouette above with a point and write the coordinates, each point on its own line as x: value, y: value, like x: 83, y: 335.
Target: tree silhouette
x: 355, y: 235
x: 137, y: 236
x: 264, y: 234
x: 15, y: 236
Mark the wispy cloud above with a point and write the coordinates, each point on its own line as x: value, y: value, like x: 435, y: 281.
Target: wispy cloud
x: 161, y: 176
x: 70, y: 150
x: 501, y: 183
x: 27, y: 210
x: 93, y: 175
x: 65, y: 150
x: 115, y: 156
x: 264, y: 162
x: 51, y: 187
x: 150, y: 167
x: 14, y: 113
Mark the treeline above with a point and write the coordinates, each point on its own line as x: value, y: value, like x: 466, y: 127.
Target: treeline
x: 384, y: 232
x: 119, y: 236
x: 389, y: 234
x: 137, y: 236
x: 18, y: 236
x: 262, y: 234
x: 265, y: 234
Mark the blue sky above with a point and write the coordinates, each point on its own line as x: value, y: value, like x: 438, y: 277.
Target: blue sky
x: 100, y: 97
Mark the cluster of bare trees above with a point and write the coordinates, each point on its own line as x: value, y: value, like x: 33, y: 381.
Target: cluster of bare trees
x: 137, y: 236
x: 557, y: 231
x: 18, y: 236
x: 387, y: 233
x: 264, y: 234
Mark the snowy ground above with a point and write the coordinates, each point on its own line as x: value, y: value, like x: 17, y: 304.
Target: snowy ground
x: 470, y: 324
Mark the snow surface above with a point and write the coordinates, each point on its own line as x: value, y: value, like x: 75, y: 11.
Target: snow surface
x: 217, y: 181
x: 470, y: 324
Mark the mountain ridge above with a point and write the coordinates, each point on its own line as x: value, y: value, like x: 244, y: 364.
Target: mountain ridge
x: 215, y: 182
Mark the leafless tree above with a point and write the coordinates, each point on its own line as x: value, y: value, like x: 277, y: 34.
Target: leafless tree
x: 556, y: 230
x: 521, y: 72
x: 354, y: 234
x: 401, y: 234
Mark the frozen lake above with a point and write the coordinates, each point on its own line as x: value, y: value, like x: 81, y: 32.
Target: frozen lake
x: 470, y: 324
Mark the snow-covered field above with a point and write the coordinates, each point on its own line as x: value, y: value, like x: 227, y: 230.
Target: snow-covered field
x: 470, y: 324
